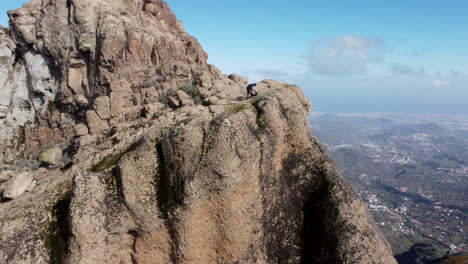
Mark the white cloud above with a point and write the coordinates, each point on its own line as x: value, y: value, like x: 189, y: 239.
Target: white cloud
x: 402, y: 69
x: 344, y: 55
x: 441, y: 83
x: 354, y: 54
x: 262, y: 74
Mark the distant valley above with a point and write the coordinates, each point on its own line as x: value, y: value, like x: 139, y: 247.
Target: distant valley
x: 412, y: 172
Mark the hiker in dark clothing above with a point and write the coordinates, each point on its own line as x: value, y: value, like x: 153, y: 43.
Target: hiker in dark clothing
x: 250, y: 91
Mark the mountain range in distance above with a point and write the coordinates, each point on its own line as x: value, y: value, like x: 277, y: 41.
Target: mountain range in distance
x: 412, y: 172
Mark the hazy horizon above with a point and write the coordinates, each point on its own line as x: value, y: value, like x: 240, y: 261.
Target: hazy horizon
x: 360, y: 56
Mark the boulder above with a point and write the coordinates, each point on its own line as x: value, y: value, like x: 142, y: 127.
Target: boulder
x: 186, y: 102
x: 150, y: 95
x: 119, y: 102
x: 17, y: 185
x: 239, y: 79
x: 81, y: 130
x: 6, y: 175
x: 51, y: 156
x: 173, y: 101
x: 76, y: 77
x: 81, y: 100
x: 95, y: 123
x: 133, y: 112
x: 151, y: 109
x: 102, y: 107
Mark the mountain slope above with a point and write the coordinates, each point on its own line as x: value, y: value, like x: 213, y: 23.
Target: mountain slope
x: 120, y: 144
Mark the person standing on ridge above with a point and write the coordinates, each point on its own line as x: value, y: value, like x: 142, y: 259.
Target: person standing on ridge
x: 250, y: 90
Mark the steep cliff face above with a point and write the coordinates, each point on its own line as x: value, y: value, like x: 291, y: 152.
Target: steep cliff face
x: 120, y: 144
x: 74, y: 67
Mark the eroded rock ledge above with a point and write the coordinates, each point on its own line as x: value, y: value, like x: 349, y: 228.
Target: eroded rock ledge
x: 120, y: 144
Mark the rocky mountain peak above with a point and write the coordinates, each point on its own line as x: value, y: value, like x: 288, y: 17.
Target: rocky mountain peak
x: 120, y: 144
x: 91, y: 64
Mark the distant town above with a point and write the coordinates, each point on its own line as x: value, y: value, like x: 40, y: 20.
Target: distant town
x: 411, y: 170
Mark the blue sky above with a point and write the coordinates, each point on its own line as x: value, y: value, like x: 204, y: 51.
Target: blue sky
x: 348, y: 56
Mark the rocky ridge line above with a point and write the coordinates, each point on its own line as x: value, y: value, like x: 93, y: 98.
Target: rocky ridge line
x: 120, y: 144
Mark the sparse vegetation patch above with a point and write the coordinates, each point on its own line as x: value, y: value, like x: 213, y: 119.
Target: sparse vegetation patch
x: 108, y: 162
x: 194, y: 92
x: 241, y: 108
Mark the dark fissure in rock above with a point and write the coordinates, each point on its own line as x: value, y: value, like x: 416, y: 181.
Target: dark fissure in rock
x: 116, y: 175
x: 166, y: 196
x: 59, y: 230
x: 135, y: 235
x: 167, y: 200
x: 318, y: 245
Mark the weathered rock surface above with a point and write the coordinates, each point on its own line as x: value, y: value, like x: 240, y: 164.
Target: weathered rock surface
x: 163, y: 163
x: 6, y: 175
x: 17, y: 185
x: 61, y: 59
x: 248, y: 184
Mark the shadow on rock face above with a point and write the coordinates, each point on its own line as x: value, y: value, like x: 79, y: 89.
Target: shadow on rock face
x: 315, y: 238
x: 59, y: 230
x: 419, y: 253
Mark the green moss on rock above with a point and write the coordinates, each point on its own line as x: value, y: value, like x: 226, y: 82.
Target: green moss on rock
x: 51, y: 156
x: 108, y: 162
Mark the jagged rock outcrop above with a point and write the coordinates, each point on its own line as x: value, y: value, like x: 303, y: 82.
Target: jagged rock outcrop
x: 94, y: 63
x: 156, y: 156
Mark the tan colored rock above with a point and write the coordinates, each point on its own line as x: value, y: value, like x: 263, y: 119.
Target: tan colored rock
x: 76, y: 77
x: 102, y: 107
x: 81, y: 100
x: 215, y: 206
x: 186, y: 102
x: 173, y: 101
x: 89, y: 225
x: 132, y: 113
x: 151, y: 109
x: 120, y: 86
x: 183, y: 95
x: 95, y: 123
x: 216, y: 109
x: 136, y: 99
x: 210, y: 187
x: 81, y: 130
x: 119, y: 102
x: 41, y: 135
x: 6, y: 175
x: 150, y: 95
x: 88, y: 140
x: 214, y: 100
x: 17, y: 185
x: 238, y: 79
